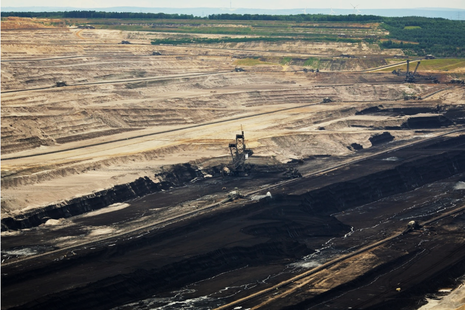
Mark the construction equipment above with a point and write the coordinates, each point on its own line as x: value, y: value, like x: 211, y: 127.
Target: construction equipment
x: 292, y: 173
x: 238, y: 69
x: 409, y: 76
x: 125, y: 42
x: 156, y: 53
x: 239, y: 153
x: 433, y: 79
x: 60, y: 84
x: 327, y: 100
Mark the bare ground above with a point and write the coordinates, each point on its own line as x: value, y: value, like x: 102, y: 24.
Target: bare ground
x: 127, y: 114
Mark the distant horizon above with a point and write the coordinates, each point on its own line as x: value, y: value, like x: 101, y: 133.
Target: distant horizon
x: 430, y: 12
x: 245, y: 4
x: 234, y: 8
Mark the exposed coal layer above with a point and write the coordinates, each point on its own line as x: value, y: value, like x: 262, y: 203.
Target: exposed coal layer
x: 432, y: 265
x: 270, y: 231
x: 174, y: 176
x: 447, y: 143
x: 144, y: 283
x: 381, y: 138
x: 444, y: 116
x: 393, y: 111
x: 419, y: 122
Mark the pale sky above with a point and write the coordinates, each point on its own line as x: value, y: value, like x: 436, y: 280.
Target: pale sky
x: 261, y: 4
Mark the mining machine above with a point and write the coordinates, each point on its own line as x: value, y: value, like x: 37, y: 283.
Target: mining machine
x: 410, y: 77
x: 239, y: 153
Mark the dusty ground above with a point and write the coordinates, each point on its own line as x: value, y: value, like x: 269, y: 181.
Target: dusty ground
x: 127, y: 114
x: 102, y: 105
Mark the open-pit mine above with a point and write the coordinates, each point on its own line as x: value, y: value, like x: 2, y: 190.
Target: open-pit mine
x: 216, y: 176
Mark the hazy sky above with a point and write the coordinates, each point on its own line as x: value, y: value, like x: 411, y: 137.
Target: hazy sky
x: 262, y: 4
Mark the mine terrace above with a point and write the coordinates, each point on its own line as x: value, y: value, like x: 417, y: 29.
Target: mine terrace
x: 230, y: 164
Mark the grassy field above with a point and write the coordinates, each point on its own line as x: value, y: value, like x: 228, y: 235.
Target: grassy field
x: 416, y: 36
x: 312, y: 62
x: 290, y: 29
x: 253, y: 62
x: 448, y: 64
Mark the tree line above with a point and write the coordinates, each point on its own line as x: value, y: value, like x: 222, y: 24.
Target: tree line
x: 99, y: 14
x: 438, y: 36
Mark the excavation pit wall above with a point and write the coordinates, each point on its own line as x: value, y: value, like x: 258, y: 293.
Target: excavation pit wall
x: 405, y: 177
x: 283, y: 238
x: 274, y: 236
x: 174, y: 176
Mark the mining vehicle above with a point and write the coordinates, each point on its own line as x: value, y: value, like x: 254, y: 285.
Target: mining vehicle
x: 409, y: 76
x: 433, y: 79
x: 60, y: 84
x: 292, y: 173
x: 412, y: 225
x: 239, y: 154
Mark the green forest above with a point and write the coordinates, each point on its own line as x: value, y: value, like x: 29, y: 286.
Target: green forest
x: 441, y: 37
x: 415, y: 35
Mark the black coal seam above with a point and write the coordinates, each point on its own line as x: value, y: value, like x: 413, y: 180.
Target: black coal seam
x: 410, y: 175
x: 119, y: 289
x: 119, y: 193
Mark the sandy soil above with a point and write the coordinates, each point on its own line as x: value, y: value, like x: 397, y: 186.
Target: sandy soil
x: 51, y: 138
x: 126, y: 113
